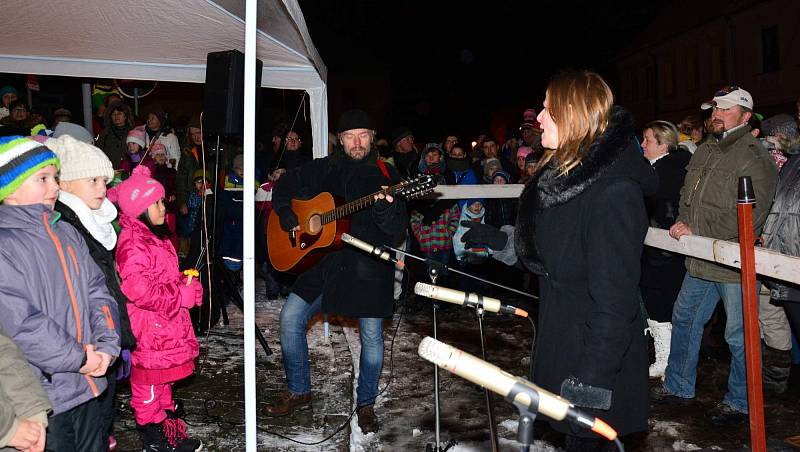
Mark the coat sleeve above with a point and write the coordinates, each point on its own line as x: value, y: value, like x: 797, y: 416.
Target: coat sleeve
x: 173, y: 147
x: 182, y: 180
x: 20, y: 392
x: 614, y: 238
x: 46, y: 344
x: 391, y: 218
x: 764, y: 175
x: 300, y: 183
x: 690, y: 180
x: 144, y: 286
x: 103, y: 309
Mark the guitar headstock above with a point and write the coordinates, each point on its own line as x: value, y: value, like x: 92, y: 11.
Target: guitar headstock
x: 416, y: 187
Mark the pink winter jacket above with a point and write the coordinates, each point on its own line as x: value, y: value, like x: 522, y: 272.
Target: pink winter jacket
x: 159, y: 302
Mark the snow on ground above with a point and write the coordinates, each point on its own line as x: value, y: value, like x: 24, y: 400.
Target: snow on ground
x: 214, y: 397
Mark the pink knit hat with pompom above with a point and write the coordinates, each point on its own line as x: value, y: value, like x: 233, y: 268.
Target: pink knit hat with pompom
x: 137, y: 192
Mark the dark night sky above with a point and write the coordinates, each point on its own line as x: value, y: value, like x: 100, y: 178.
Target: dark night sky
x: 451, y: 63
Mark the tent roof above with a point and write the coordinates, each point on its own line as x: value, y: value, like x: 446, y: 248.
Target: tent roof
x: 155, y: 39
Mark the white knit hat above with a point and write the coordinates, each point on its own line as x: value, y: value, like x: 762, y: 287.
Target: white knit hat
x: 80, y: 160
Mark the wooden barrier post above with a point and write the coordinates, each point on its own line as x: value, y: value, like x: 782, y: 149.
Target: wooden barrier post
x: 752, y: 340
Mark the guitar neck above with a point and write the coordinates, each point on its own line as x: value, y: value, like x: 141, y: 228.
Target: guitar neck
x: 353, y: 206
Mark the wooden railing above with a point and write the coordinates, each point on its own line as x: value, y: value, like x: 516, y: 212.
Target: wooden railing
x: 768, y: 263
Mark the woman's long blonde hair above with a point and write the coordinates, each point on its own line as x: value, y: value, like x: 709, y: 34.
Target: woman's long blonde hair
x: 579, y: 103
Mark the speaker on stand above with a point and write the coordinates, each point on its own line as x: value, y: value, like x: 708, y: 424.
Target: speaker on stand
x: 223, y: 120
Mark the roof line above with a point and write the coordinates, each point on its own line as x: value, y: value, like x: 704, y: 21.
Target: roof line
x: 268, y: 36
x: 96, y: 60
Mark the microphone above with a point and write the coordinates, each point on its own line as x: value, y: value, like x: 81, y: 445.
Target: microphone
x: 378, y: 252
x: 516, y: 390
x: 474, y: 300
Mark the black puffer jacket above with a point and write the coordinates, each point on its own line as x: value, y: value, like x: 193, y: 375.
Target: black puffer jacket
x: 782, y: 228
x: 105, y: 260
x: 662, y: 271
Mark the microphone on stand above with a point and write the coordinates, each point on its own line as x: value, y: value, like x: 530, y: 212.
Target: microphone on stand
x: 516, y: 390
x: 458, y: 297
x: 376, y: 251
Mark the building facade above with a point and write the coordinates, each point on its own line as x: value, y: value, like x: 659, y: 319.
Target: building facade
x: 694, y: 48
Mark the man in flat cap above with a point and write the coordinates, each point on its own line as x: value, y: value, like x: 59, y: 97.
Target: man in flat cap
x: 347, y: 282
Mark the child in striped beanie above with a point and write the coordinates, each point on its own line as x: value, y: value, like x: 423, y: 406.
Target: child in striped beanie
x: 20, y: 160
x: 53, y: 298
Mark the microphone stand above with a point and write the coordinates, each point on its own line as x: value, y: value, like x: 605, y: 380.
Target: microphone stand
x: 442, y: 269
x: 489, y: 405
x: 525, y: 429
x: 434, y: 270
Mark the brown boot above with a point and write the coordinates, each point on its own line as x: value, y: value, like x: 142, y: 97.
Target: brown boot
x: 367, y: 420
x: 288, y: 403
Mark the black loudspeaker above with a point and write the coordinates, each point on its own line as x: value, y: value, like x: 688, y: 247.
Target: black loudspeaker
x: 224, y: 93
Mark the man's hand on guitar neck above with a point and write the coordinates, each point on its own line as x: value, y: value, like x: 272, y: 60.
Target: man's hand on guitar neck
x: 288, y: 219
x: 387, y: 198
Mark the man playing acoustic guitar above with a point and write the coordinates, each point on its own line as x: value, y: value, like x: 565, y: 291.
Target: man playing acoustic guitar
x: 346, y: 282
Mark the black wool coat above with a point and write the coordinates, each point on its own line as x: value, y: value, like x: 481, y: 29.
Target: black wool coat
x: 583, y: 233
x: 352, y: 283
x: 105, y: 260
x: 662, y: 271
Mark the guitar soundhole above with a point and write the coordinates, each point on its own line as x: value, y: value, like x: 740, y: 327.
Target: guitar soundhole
x: 314, y: 224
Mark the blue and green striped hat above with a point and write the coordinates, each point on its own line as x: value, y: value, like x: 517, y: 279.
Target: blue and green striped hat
x: 20, y: 157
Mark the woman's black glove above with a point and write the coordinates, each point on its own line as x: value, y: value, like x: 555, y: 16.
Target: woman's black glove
x: 480, y: 234
x: 288, y: 218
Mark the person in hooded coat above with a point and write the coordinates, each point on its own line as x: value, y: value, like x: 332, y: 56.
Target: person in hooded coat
x: 118, y: 120
x: 581, y: 228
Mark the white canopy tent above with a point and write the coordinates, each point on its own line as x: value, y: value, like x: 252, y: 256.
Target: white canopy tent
x: 163, y: 40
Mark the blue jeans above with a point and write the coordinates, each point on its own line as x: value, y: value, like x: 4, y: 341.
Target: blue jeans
x: 294, y: 320
x: 693, y: 309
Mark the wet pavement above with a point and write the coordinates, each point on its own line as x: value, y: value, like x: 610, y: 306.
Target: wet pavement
x: 214, y: 395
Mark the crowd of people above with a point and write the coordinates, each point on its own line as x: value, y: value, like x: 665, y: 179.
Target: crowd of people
x: 109, y: 219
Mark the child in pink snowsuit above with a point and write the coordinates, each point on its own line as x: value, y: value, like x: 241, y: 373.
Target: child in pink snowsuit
x: 160, y: 297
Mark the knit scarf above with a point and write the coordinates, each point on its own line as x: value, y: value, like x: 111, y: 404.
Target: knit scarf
x: 120, y: 132
x: 97, y: 222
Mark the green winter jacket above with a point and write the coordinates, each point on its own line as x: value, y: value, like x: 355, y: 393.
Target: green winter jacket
x: 21, y: 395
x: 708, y: 196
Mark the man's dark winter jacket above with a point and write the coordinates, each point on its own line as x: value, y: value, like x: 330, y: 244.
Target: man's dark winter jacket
x: 782, y: 228
x: 708, y: 196
x: 351, y: 282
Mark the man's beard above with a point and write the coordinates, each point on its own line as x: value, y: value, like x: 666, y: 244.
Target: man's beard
x: 357, y: 153
x: 717, y: 127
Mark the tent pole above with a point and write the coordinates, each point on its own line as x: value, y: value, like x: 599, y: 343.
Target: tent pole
x: 86, y: 91
x: 251, y: 438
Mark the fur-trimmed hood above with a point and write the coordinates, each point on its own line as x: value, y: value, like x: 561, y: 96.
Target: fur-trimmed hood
x: 614, y: 154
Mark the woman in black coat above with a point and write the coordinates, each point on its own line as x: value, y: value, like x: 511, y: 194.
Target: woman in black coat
x: 581, y: 228
x: 662, y: 271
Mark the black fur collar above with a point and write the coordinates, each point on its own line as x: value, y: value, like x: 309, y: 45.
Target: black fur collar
x: 549, y: 189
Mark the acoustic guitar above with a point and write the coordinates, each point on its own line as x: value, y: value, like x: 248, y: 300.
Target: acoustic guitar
x: 322, y: 220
